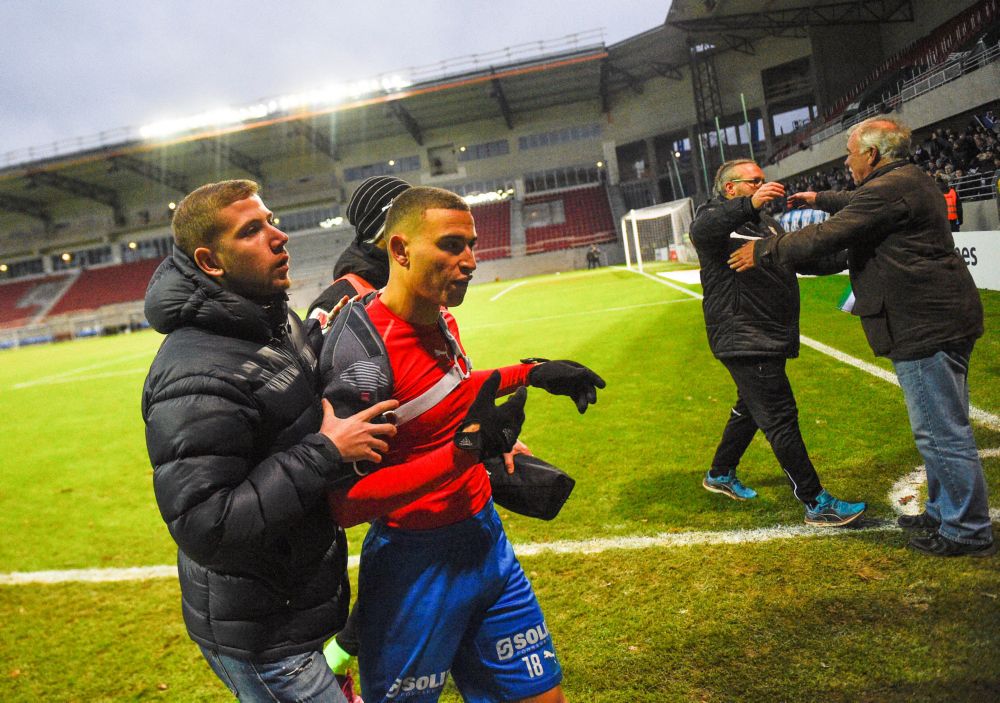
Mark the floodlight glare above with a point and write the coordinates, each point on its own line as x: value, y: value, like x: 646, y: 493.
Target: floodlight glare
x: 309, y: 100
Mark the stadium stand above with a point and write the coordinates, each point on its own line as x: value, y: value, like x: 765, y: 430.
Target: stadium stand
x: 574, y: 218
x: 589, y: 131
x: 493, y: 230
x: 963, y: 43
x: 21, y: 301
x: 109, y: 285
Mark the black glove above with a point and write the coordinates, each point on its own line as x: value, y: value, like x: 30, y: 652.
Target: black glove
x: 495, y: 429
x: 567, y: 378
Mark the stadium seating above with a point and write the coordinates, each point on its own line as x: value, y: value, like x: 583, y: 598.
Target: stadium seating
x: 588, y: 220
x: 20, y: 301
x: 98, y: 287
x: 493, y: 230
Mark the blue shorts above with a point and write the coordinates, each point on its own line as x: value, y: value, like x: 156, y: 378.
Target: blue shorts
x: 450, y: 600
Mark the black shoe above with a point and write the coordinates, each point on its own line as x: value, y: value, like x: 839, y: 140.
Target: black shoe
x: 937, y: 545
x: 923, y: 521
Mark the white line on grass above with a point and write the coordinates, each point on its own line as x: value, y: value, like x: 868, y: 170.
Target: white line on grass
x: 977, y: 415
x: 589, y: 546
x: 509, y: 288
x: 73, y: 373
x: 904, y: 492
x: 76, y: 379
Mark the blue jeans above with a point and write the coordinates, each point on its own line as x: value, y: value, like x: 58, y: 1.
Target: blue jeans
x: 936, y: 389
x: 300, y: 678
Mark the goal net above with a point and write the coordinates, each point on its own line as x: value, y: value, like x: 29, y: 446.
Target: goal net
x: 658, y: 233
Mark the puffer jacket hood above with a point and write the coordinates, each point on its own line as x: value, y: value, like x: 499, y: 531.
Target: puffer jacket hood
x: 179, y: 295
x: 365, y: 260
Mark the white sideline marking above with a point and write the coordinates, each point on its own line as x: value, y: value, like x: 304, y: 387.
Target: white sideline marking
x: 690, y: 539
x: 690, y: 276
x: 76, y: 379
x: 589, y: 546
x: 509, y: 289
x: 72, y: 374
x: 977, y: 415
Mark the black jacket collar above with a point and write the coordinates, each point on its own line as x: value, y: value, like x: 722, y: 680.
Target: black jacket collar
x: 181, y: 295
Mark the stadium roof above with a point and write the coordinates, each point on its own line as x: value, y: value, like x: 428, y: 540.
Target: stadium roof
x: 503, y: 86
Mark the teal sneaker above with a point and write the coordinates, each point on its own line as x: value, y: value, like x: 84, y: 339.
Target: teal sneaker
x: 831, y: 512
x: 728, y: 485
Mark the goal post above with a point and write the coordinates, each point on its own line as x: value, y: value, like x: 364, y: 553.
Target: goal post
x: 658, y: 233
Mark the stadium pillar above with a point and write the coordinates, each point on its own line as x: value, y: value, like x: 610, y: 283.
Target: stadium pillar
x: 700, y: 194
x: 518, y: 239
x: 654, y: 169
x: 611, y: 163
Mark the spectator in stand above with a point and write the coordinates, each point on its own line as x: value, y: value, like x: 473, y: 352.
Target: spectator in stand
x: 953, y: 202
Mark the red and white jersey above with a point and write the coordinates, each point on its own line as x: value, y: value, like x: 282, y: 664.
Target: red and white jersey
x: 423, y: 452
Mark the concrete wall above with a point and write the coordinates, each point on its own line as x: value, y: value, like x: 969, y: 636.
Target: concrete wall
x: 981, y: 216
x: 968, y: 92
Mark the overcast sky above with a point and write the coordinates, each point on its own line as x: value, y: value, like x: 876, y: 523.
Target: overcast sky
x: 73, y: 68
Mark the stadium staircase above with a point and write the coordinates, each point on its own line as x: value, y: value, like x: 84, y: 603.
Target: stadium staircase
x: 26, y: 302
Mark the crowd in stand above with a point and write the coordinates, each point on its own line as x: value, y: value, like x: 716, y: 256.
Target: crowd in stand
x: 948, y: 155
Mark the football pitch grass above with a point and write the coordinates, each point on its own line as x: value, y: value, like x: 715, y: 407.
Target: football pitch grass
x: 654, y: 589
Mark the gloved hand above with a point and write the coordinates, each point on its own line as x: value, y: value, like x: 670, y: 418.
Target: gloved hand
x: 567, y: 378
x: 488, y: 430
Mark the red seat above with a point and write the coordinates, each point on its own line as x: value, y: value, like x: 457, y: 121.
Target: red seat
x: 14, y: 311
x: 96, y: 288
x: 588, y: 220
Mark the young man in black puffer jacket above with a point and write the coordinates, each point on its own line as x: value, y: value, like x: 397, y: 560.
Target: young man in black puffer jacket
x: 753, y: 329
x: 244, y: 451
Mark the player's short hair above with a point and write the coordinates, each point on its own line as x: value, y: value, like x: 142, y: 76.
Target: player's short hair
x: 890, y: 136
x: 725, y: 172
x: 196, y: 219
x: 409, y: 206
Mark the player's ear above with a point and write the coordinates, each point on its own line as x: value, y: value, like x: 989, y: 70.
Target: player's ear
x: 399, y: 250
x: 206, y: 260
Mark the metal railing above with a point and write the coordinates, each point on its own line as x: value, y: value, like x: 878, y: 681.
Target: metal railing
x: 902, y: 92
x: 976, y: 186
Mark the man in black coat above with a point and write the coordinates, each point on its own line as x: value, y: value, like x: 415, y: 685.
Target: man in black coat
x: 918, y: 306
x: 753, y: 328
x: 244, y: 451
